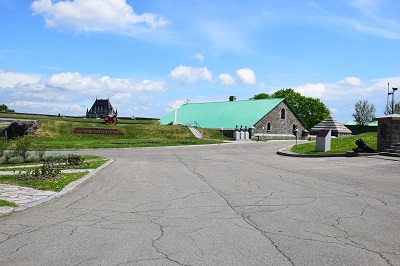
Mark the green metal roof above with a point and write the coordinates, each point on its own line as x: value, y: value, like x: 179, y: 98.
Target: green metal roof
x: 223, y: 114
x: 354, y: 123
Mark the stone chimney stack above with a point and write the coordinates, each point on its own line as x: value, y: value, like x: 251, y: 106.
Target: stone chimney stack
x: 232, y: 98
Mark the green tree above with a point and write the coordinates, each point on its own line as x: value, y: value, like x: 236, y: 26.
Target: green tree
x: 4, y: 108
x: 396, y: 108
x: 364, y: 112
x: 311, y: 110
x: 261, y: 96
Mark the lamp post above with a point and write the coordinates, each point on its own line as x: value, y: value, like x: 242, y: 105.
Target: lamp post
x: 295, y: 130
x: 392, y: 93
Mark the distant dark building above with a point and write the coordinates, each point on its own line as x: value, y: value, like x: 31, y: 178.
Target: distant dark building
x: 100, y: 109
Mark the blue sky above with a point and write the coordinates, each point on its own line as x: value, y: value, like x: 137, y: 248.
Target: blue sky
x: 145, y: 55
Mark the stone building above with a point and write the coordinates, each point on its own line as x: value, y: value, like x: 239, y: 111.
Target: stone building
x: 101, y: 108
x: 268, y: 116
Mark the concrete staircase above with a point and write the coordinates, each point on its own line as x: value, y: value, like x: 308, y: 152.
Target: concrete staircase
x: 392, y: 151
x: 195, y: 132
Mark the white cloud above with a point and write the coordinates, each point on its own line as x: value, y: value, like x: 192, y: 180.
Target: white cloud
x: 351, y: 81
x: 49, y: 107
x: 243, y: 76
x: 226, y: 79
x: 93, y: 15
x: 311, y: 90
x: 367, y: 7
x: 62, y: 91
x: 246, y: 76
x: 340, y: 96
x: 74, y: 81
x: 188, y: 75
x: 11, y: 79
x: 199, y: 57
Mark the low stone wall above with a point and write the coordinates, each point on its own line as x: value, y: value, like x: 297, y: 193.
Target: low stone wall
x: 361, y: 129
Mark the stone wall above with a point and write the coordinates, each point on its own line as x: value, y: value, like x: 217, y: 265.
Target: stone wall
x: 355, y: 129
x: 388, y: 131
x: 278, y: 125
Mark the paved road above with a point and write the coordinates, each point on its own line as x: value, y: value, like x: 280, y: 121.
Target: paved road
x: 236, y: 204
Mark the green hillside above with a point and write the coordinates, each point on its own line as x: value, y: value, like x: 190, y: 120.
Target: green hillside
x: 58, y: 133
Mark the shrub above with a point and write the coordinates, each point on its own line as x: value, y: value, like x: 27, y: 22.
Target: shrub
x: 39, y: 148
x: 74, y: 159
x: 60, y: 158
x: 32, y: 159
x: 8, y: 155
x: 16, y: 160
x: 3, y: 160
x: 3, y: 145
x: 48, y: 171
x: 55, y: 158
x: 22, y: 145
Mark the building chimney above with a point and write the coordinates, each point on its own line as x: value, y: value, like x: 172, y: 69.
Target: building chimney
x: 232, y: 98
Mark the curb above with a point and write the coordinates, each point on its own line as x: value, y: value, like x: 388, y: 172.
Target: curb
x: 68, y: 188
x: 6, y: 210
x: 285, y: 152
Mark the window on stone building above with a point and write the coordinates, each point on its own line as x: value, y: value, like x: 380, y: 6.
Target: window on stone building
x: 268, y: 126
x: 283, y: 113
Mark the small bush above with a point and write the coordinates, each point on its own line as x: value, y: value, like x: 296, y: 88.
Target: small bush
x: 16, y: 160
x: 8, y: 155
x: 48, y: 171
x: 74, y: 159
x: 32, y: 159
x: 39, y: 148
x: 22, y: 145
x: 61, y: 158
x: 3, y: 145
x: 3, y: 160
x: 55, y: 158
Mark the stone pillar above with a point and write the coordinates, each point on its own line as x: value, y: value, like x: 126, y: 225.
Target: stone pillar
x: 388, y: 131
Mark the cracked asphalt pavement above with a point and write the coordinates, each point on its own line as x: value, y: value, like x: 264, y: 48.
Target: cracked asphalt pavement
x: 234, y: 204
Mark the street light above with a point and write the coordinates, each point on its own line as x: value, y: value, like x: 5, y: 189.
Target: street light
x: 392, y: 93
x: 295, y: 130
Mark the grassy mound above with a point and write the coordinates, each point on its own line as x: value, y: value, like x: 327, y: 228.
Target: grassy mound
x: 58, y: 133
x: 339, y: 145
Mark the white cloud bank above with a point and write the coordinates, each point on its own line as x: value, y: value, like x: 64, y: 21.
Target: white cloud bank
x: 93, y: 15
x: 65, y: 92
x: 190, y: 75
x: 340, y: 96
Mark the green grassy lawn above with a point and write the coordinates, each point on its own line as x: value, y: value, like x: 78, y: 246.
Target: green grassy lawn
x: 55, y: 185
x: 90, y: 162
x: 57, y: 133
x: 4, y: 203
x: 339, y: 145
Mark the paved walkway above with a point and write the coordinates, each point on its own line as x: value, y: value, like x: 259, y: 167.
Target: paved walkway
x: 22, y: 195
x: 26, y: 197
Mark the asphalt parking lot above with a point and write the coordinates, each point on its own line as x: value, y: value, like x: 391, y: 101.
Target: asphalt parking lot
x: 232, y: 204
